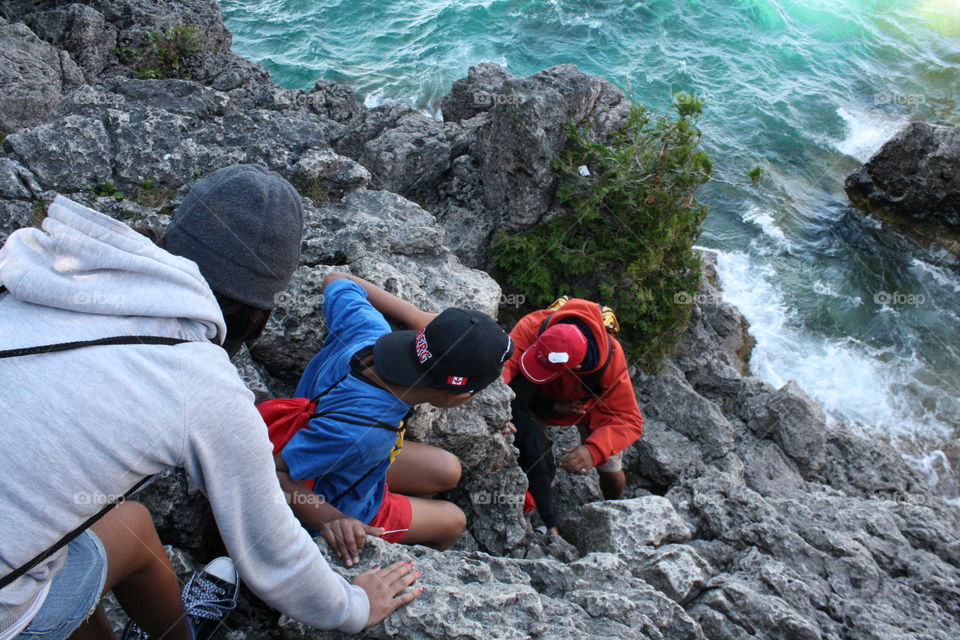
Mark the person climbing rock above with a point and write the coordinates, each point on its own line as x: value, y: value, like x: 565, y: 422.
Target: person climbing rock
x: 347, y: 468
x: 115, y: 365
x: 568, y: 369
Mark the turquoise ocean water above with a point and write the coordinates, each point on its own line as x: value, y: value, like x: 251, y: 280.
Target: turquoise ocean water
x: 866, y: 321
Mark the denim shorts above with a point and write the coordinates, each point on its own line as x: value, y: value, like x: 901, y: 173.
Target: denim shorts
x: 74, y: 593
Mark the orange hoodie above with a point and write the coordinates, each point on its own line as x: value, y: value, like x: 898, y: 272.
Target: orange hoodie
x: 613, y: 416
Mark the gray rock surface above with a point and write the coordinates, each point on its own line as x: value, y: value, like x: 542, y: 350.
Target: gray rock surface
x: 622, y: 526
x: 746, y: 515
x: 34, y: 77
x: 81, y: 31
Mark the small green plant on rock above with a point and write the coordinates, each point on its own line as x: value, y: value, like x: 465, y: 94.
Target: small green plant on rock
x: 626, y: 232
x: 106, y: 190
x: 153, y: 196
x: 39, y: 213
x: 316, y: 190
x: 165, y: 53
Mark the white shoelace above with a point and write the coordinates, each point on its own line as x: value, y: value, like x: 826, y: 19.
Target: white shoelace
x: 205, y: 599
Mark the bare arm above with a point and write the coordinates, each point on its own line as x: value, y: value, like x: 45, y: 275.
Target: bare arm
x: 344, y: 534
x: 387, y: 303
x: 310, y: 509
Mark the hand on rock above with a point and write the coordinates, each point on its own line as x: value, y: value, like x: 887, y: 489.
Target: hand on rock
x: 347, y: 536
x: 578, y: 460
x: 385, y: 588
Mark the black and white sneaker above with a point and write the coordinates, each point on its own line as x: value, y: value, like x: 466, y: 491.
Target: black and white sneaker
x: 209, y: 595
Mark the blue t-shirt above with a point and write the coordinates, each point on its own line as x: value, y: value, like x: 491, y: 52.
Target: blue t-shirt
x: 332, y: 450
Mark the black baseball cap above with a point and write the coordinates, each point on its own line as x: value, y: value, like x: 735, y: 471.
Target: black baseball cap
x: 459, y: 350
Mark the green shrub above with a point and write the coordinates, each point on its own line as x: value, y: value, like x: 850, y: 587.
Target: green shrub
x: 165, y: 54
x: 625, y: 235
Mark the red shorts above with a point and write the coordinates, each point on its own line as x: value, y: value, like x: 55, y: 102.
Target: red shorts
x: 395, y: 513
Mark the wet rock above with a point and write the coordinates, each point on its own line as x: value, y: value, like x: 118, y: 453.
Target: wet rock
x: 915, y: 175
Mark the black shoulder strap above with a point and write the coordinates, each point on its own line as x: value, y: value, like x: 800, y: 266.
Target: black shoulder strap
x: 371, y: 469
x: 356, y: 363
x: 545, y: 323
x: 67, y: 539
x: 66, y: 346
x: 593, y: 381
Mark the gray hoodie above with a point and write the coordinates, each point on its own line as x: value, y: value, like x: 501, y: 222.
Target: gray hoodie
x: 83, y: 425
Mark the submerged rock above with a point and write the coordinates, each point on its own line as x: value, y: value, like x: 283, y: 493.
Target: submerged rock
x: 914, y: 180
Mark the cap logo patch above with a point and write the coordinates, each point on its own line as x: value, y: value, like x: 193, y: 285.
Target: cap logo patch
x: 423, y: 350
x: 557, y: 357
x: 457, y: 381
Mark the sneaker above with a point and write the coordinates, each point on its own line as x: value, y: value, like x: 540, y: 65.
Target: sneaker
x: 210, y: 595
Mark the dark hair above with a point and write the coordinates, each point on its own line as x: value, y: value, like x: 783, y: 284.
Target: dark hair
x: 244, y: 323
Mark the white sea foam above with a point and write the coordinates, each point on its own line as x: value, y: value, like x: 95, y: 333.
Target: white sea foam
x: 938, y: 275
x: 867, y: 131
x: 764, y: 219
x: 853, y: 381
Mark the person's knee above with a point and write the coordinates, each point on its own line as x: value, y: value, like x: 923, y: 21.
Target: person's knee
x: 136, y: 519
x: 612, y: 484
x: 448, y: 471
x: 455, y: 522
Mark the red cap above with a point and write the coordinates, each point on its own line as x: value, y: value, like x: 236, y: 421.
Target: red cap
x: 560, y: 348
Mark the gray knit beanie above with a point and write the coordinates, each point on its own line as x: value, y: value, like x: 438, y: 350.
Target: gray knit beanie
x: 242, y: 225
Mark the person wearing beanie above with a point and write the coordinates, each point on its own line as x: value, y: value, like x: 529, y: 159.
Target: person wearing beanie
x: 242, y: 226
x: 115, y: 365
x: 569, y: 370
x: 348, y: 470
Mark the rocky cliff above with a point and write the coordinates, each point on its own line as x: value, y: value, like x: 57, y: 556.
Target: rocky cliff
x: 746, y: 516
